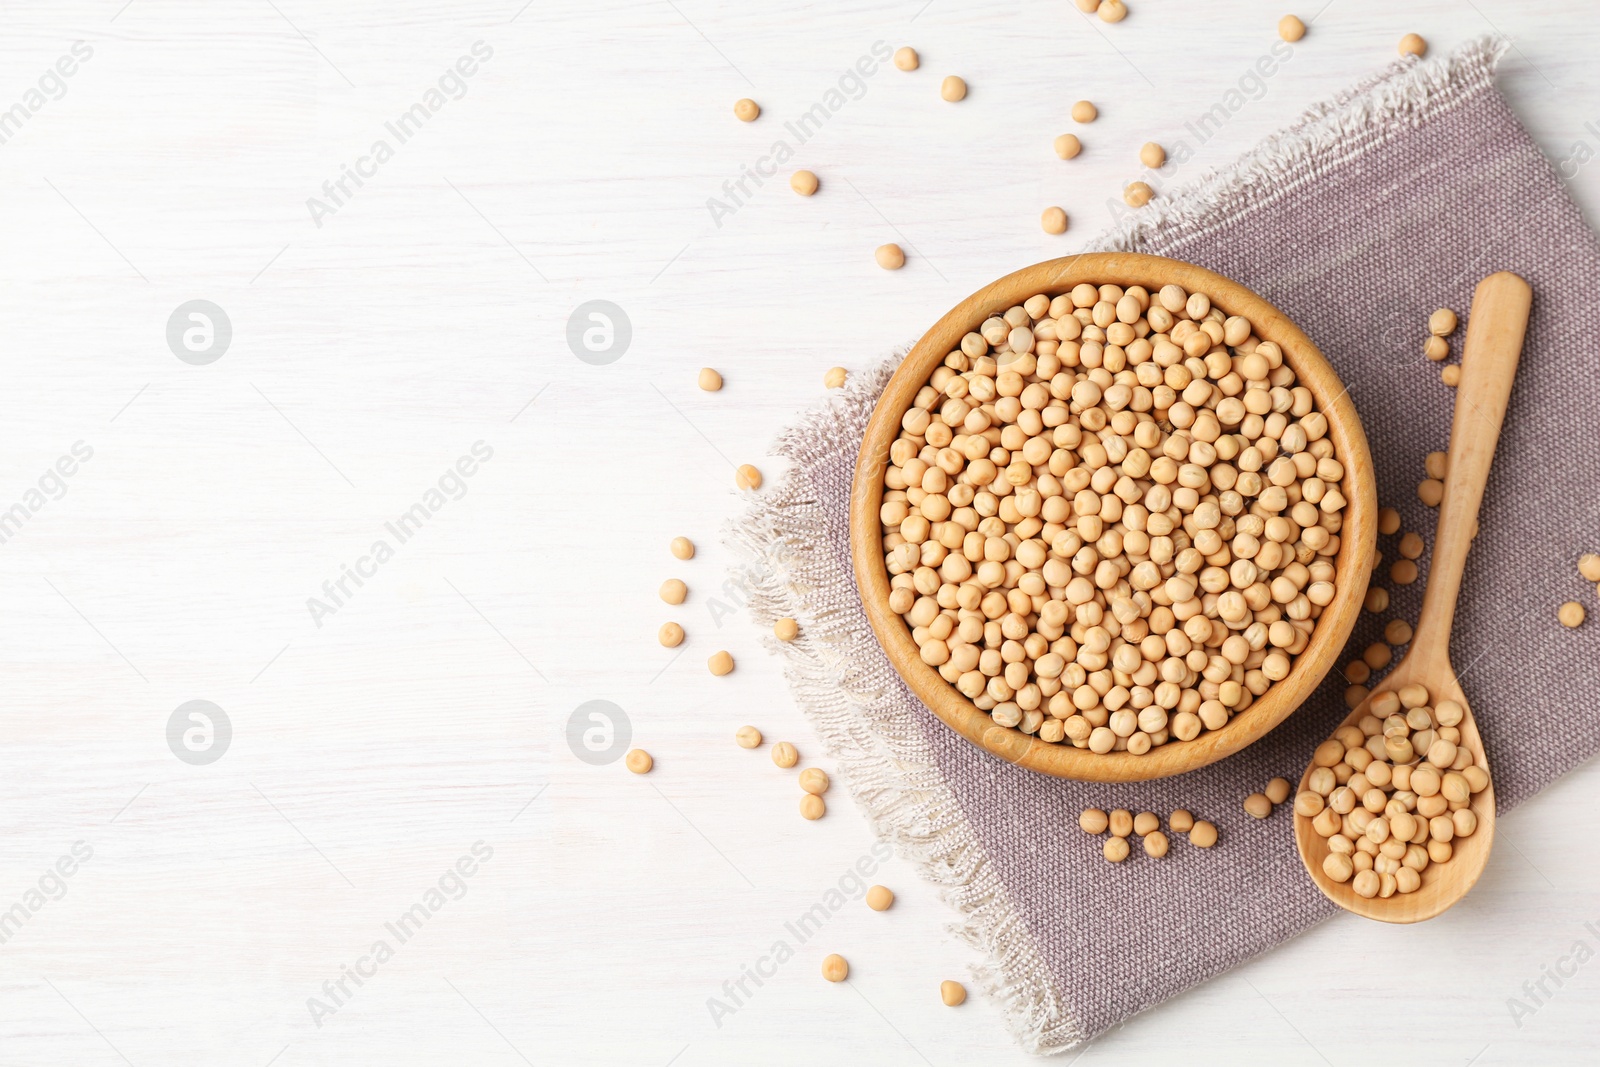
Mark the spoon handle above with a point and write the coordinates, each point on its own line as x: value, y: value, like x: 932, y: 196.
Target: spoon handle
x: 1489, y: 359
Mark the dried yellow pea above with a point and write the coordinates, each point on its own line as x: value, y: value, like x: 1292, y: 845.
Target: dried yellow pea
x: 1146, y: 822
x: 1277, y: 790
x: 1156, y: 844
x: 682, y: 548
x: 1152, y: 155
x: 952, y: 993
x: 1053, y: 220
x: 1388, y: 521
x: 880, y: 898
x: 638, y: 761
x: 1112, y: 11
x: 834, y: 967
x: 746, y: 110
x: 1290, y: 28
x: 785, y: 755
x: 1451, y: 375
x: 1068, y: 146
x: 720, y: 663
x: 812, y: 807
x: 814, y: 780
x: 1137, y: 194
x: 1442, y: 323
x: 1181, y: 821
x: 1093, y: 821
x: 1589, y: 566
x: 670, y: 635
x: 1413, y: 45
x: 747, y: 477
x: 835, y: 378
x: 673, y: 591
x: 953, y: 88
x: 1115, y: 849
x: 890, y: 256
x: 1257, y: 805
x: 1203, y: 834
x: 1571, y: 614
x: 1430, y: 491
x: 785, y: 629
x: 906, y: 58
x: 1084, y: 111
x: 804, y: 182
x: 709, y: 379
x: 748, y: 737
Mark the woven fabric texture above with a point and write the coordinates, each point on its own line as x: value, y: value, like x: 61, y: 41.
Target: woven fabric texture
x: 1382, y: 205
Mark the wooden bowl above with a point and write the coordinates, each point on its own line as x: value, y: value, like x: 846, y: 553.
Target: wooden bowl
x: 1352, y: 565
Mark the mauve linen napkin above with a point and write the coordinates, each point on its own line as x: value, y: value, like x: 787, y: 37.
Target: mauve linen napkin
x: 1378, y: 207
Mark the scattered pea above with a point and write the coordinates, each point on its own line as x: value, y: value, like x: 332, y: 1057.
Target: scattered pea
x: 890, y: 257
x: 638, y: 761
x: 1589, y: 566
x: 1377, y: 600
x: 1113, y: 10
x: 1436, y: 348
x: 1411, y: 545
x: 709, y: 380
x: 1203, y: 834
x: 906, y: 58
x: 1152, y: 155
x: 785, y: 629
x: 814, y: 780
x: 1068, y: 146
x: 1290, y: 28
x: 835, y: 378
x: 747, y: 477
x: 1180, y: 821
x: 1388, y: 521
x: 1436, y: 464
x: 1413, y: 45
x: 1442, y: 323
x: 670, y: 635
x: 785, y: 755
x: 1378, y: 655
x: 880, y: 898
x: 1430, y: 491
x: 953, y: 89
x: 1451, y: 375
x: 1156, y: 844
x: 1277, y: 790
x: 1257, y: 805
x: 804, y: 182
x: 1120, y: 822
x: 1093, y: 821
x: 1137, y: 194
x: 1146, y: 822
x: 1571, y: 614
x: 1053, y: 220
x: 1088, y: 7
x: 834, y: 968
x: 812, y: 807
x: 1084, y: 111
x: 746, y: 110
x: 1397, y: 632
x: 952, y: 993
x: 673, y: 591
x: 748, y: 737
x: 1115, y: 849
x: 682, y: 547
x: 720, y: 663
x: 1403, y: 572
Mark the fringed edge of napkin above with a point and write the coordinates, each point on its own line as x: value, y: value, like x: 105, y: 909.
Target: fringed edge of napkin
x: 1407, y: 93
x: 782, y: 543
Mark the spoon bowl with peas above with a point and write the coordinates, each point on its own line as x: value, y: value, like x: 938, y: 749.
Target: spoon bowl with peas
x: 1395, y: 815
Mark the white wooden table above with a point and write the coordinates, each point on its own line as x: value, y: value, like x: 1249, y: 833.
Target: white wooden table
x: 376, y: 338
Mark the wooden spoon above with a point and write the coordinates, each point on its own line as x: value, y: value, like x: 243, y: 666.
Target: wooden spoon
x: 1488, y: 365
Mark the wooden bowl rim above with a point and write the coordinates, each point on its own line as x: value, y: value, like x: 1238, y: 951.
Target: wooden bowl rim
x: 1358, y: 535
